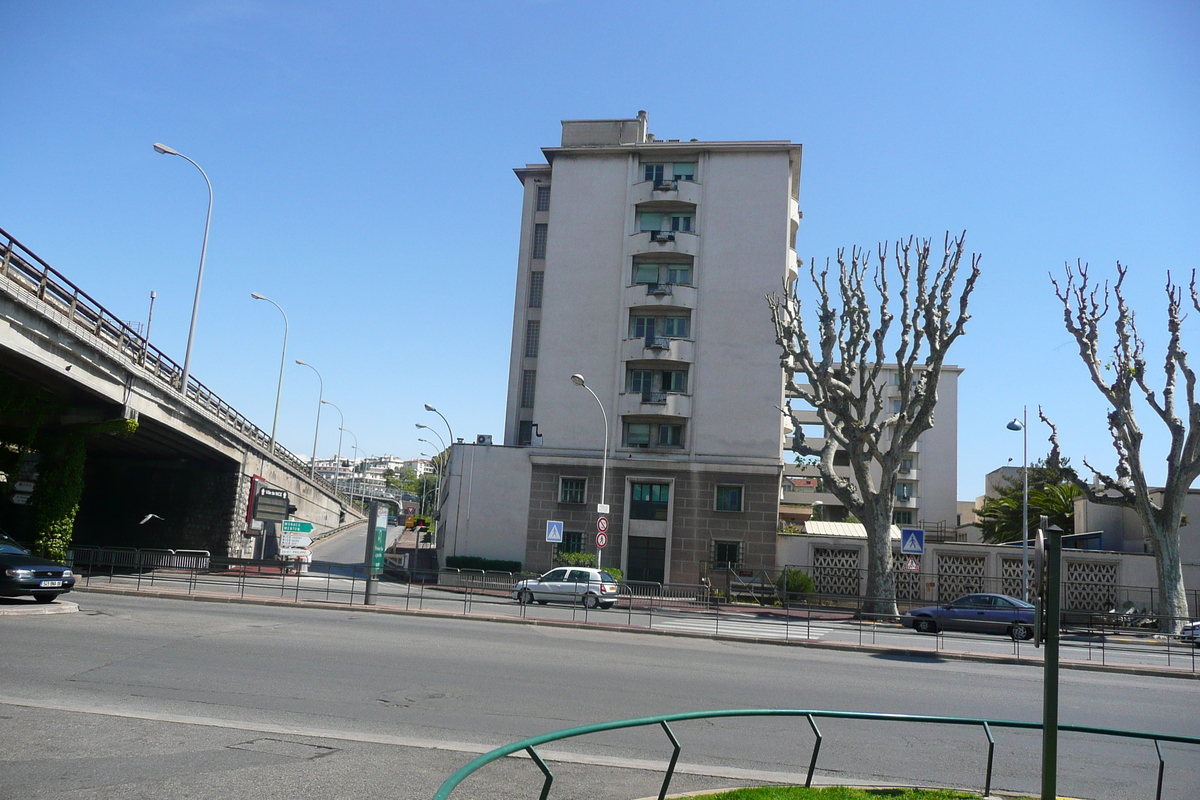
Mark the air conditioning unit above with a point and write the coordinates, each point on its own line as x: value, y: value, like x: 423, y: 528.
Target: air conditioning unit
x: 483, y: 438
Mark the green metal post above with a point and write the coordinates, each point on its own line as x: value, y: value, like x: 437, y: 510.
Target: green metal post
x: 1050, y: 679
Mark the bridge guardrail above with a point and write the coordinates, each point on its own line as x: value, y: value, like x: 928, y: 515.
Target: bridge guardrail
x: 26, y: 271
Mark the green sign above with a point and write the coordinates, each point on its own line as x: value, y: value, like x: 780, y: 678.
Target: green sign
x: 376, y: 538
x: 296, y: 526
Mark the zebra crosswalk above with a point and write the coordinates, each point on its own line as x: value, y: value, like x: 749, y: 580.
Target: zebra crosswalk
x: 743, y: 628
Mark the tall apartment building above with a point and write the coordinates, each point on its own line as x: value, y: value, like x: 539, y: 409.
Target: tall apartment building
x: 643, y: 266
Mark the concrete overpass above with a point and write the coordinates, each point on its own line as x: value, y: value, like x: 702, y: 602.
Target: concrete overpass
x: 71, y: 371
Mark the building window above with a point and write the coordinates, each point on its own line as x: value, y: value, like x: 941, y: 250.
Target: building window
x: 649, y: 501
x: 675, y: 327
x: 674, y: 381
x: 641, y: 327
x: 648, y: 221
x: 727, y: 555
x: 533, y: 332
x: 670, y: 435
x: 906, y: 464
x: 684, y: 171
x: 904, y: 492
x: 637, y: 434
x: 653, y: 172
x: 681, y: 222
x: 902, y: 516
x: 729, y: 498
x: 539, y: 240
x: 641, y: 381
x: 841, y: 458
x: 680, y: 274
x: 525, y: 433
x: 543, y: 198
x: 896, y: 406
x: 572, y: 490
x: 536, y: 281
x: 528, y: 384
x: 572, y: 542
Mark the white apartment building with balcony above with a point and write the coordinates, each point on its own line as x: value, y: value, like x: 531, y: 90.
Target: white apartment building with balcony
x: 643, y: 266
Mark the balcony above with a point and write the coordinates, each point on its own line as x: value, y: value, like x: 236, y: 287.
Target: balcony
x: 676, y: 350
x: 672, y: 190
x: 655, y: 242
x: 654, y: 404
x: 660, y: 295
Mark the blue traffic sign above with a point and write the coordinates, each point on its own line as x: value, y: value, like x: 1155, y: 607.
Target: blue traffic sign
x: 554, y: 530
x: 912, y: 541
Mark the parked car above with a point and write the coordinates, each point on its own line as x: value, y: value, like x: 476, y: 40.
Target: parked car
x: 985, y: 613
x: 593, y: 587
x: 22, y: 573
x: 1190, y: 632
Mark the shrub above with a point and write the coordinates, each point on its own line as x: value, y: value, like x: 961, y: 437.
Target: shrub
x: 616, y: 573
x: 795, y: 582
x: 485, y: 564
x: 575, y: 560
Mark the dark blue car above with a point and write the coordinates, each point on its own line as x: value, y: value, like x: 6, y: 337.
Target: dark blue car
x: 22, y: 573
x: 983, y: 613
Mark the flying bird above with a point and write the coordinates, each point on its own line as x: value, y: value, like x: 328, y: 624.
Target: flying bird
x: 149, y: 517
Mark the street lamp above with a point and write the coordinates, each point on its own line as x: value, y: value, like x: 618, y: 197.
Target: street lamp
x: 282, y: 360
x: 450, y: 473
x: 435, y: 433
x: 320, y: 400
x: 355, y: 446
x: 187, y: 356
x: 578, y: 380
x: 341, y: 421
x: 1020, y: 425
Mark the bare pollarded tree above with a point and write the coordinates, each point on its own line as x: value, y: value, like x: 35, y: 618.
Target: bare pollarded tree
x: 851, y: 367
x: 1119, y: 380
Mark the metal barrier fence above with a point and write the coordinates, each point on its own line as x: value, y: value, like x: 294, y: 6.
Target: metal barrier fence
x: 1103, y: 638
x: 31, y: 278
x: 664, y: 720
x: 918, y: 589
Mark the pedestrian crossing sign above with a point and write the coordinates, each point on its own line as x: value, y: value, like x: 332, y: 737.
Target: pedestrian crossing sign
x: 912, y: 541
x: 554, y: 530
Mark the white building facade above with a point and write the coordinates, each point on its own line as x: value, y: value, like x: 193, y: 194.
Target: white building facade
x: 643, y: 267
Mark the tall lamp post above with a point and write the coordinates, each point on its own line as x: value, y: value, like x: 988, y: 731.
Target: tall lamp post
x: 341, y: 421
x: 1021, y: 425
x: 320, y: 402
x: 355, y: 446
x: 282, y: 361
x: 450, y: 473
x: 578, y: 380
x: 187, y: 356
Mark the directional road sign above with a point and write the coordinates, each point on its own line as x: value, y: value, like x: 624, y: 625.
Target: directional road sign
x: 292, y: 552
x: 912, y: 541
x: 554, y: 530
x: 296, y: 526
x: 295, y: 540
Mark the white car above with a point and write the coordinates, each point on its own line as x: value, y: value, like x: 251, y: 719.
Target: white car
x: 1190, y: 633
x: 592, y: 587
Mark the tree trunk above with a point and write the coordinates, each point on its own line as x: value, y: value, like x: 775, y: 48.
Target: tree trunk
x: 1173, y: 603
x: 881, y: 581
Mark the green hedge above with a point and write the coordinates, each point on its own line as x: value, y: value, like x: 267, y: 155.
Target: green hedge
x: 486, y: 564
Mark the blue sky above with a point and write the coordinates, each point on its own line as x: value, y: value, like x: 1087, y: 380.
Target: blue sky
x: 361, y: 157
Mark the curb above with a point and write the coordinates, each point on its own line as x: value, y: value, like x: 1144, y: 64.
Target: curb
x: 592, y: 626
x: 38, y: 609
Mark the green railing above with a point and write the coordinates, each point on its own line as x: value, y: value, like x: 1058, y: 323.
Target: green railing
x: 986, y: 725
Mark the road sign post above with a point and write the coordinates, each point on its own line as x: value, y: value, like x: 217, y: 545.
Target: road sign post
x: 376, y: 543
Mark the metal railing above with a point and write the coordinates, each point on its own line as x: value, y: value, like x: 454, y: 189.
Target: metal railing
x: 695, y: 608
x: 29, y: 277
x: 986, y: 725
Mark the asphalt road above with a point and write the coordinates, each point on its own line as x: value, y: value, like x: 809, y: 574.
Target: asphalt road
x: 145, y: 697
